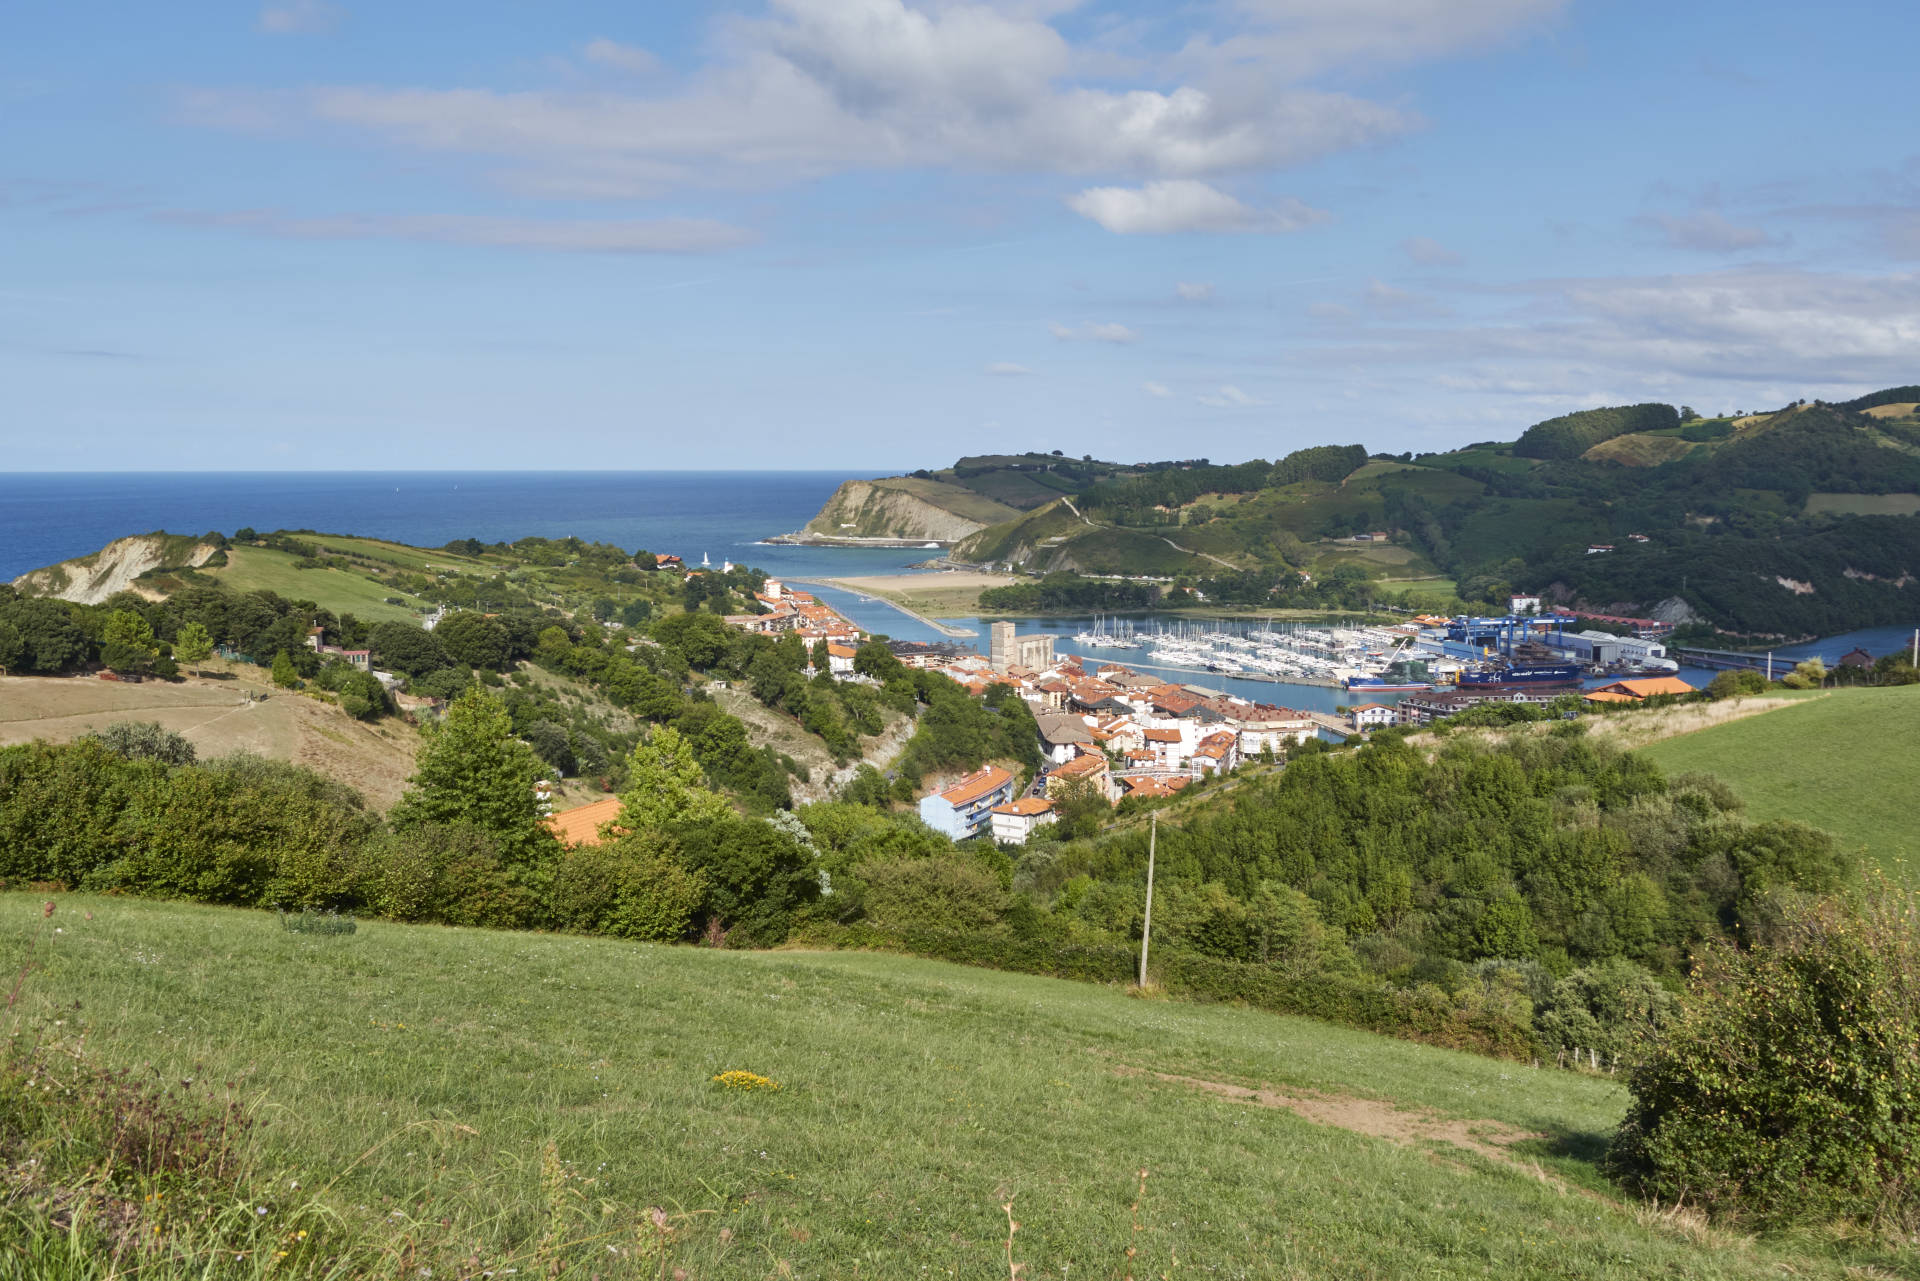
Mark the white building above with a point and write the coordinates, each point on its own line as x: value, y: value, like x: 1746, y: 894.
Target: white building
x: 1015, y: 821
x: 1372, y: 716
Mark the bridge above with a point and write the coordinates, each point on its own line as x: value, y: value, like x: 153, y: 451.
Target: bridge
x: 1727, y: 660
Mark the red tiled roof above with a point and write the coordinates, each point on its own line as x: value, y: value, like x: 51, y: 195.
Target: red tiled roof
x: 1026, y: 805
x: 582, y: 826
x: 976, y: 785
x: 1081, y: 766
x: 1162, y: 735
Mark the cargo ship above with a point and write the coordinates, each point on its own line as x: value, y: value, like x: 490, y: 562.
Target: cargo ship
x: 1523, y: 675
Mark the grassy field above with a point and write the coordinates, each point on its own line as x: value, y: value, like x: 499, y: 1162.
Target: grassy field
x: 1640, y: 449
x: 460, y: 1097
x: 1848, y: 762
x: 344, y: 591
x: 1864, y: 504
x: 216, y: 717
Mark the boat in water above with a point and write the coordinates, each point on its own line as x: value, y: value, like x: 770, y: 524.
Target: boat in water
x: 1523, y: 675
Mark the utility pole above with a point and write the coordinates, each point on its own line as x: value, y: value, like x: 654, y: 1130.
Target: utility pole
x: 1769, y: 666
x: 1916, y: 647
x: 1146, y: 926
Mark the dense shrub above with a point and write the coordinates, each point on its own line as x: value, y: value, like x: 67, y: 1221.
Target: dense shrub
x: 451, y: 873
x: 932, y: 894
x: 1789, y: 1088
x: 632, y: 887
x: 146, y: 741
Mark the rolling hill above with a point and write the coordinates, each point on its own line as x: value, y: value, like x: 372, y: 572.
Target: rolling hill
x: 1792, y: 523
x: 1847, y: 761
x: 465, y: 1101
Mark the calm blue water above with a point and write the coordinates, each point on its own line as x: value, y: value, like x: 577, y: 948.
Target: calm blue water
x: 49, y: 517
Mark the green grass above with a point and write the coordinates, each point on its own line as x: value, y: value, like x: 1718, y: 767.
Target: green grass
x: 1864, y: 504
x: 427, y: 1070
x: 345, y: 591
x: 1848, y: 761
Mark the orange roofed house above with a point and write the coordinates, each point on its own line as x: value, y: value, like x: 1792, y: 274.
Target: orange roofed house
x: 581, y: 826
x: 963, y: 809
x: 1014, y: 822
x: 1633, y: 691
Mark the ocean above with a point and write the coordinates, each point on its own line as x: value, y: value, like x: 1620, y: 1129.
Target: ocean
x: 47, y: 517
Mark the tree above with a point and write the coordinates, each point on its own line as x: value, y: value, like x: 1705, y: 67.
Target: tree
x: 126, y: 642
x: 13, y: 646
x: 1734, y: 683
x: 192, y: 644
x: 554, y: 648
x: 407, y: 649
x: 472, y: 769
x: 473, y: 640
x: 666, y: 787
x: 284, y: 674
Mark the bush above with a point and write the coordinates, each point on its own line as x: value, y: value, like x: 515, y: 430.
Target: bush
x: 145, y: 741
x: 446, y: 872
x: 308, y: 921
x: 632, y: 887
x: 950, y: 893
x: 1789, y: 1089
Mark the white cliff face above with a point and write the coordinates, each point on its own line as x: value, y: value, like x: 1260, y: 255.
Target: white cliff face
x: 90, y: 580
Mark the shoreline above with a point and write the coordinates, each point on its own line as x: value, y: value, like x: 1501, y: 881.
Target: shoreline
x: 801, y: 538
x: 847, y: 585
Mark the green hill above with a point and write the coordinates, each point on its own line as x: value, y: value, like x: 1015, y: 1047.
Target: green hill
x: 1848, y: 761
x: 463, y: 1102
x: 1788, y: 524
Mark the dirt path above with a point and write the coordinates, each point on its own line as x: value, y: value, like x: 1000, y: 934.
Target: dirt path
x: 1381, y: 1120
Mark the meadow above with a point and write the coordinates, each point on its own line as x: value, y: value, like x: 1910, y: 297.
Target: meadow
x: 341, y: 590
x: 1847, y: 761
x: 468, y: 1103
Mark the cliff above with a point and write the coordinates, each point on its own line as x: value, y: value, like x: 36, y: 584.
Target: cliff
x: 906, y: 509
x: 90, y: 580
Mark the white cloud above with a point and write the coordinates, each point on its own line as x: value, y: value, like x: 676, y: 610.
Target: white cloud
x: 1160, y: 390
x: 622, y: 236
x: 1185, y: 204
x: 1105, y: 331
x: 1707, y: 231
x: 299, y: 17
x: 1428, y: 252
x: 1007, y: 369
x: 622, y: 57
x: 816, y: 87
x: 1194, y: 291
x: 1229, y: 397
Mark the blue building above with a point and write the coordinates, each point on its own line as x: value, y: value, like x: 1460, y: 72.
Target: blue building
x: 967, y: 807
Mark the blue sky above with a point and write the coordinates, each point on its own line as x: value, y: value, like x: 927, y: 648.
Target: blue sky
x: 878, y: 234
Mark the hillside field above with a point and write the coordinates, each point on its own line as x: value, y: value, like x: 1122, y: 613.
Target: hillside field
x: 343, y: 591
x: 1848, y: 761
x: 456, y: 1096
x: 216, y: 718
